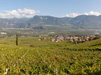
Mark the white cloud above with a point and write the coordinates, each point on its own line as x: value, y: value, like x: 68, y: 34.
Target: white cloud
x: 77, y: 14
x: 19, y: 13
x: 93, y: 13
x: 72, y: 15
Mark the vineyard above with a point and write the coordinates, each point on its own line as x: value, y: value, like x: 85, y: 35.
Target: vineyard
x: 33, y: 57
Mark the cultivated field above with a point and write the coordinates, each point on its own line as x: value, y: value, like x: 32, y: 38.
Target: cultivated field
x: 34, y: 57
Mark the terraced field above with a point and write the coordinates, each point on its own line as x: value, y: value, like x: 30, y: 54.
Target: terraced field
x: 33, y: 57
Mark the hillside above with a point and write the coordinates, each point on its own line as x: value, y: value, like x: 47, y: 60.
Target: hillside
x: 7, y: 23
x: 44, y: 22
x: 48, y: 20
x: 87, y: 22
x: 82, y: 21
x: 33, y: 57
x: 93, y: 45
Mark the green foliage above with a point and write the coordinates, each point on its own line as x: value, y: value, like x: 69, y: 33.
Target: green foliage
x: 34, y: 57
x: 16, y: 40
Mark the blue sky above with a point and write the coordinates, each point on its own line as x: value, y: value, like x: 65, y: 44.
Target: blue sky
x: 57, y: 8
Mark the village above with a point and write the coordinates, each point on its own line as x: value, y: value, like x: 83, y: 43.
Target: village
x: 75, y: 39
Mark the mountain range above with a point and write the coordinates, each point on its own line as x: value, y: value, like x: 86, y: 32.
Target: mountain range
x: 42, y: 22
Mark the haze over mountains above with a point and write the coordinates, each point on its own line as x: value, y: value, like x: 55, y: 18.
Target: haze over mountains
x: 41, y: 22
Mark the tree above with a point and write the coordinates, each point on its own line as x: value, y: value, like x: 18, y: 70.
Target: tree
x: 16, y: 40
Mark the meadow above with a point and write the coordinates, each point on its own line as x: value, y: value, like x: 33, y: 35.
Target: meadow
x: 34, y: 57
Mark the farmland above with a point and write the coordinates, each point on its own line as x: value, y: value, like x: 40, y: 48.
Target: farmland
x: 34, y: 57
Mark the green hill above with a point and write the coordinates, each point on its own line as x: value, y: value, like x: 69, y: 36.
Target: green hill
x: 44, y: 57
x: 95, y: 44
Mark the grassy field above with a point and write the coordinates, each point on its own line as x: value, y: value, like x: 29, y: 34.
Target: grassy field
x: 34, y: 57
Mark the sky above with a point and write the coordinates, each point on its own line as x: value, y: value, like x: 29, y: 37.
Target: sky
x: 57, y: 8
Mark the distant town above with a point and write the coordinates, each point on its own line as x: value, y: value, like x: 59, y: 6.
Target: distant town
x: 75, y: 39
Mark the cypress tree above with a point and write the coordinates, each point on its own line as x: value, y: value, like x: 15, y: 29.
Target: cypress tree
x: 16, y: 40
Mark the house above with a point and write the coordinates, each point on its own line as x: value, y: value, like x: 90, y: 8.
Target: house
x: 53, y: 40
x: 3, y: 33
